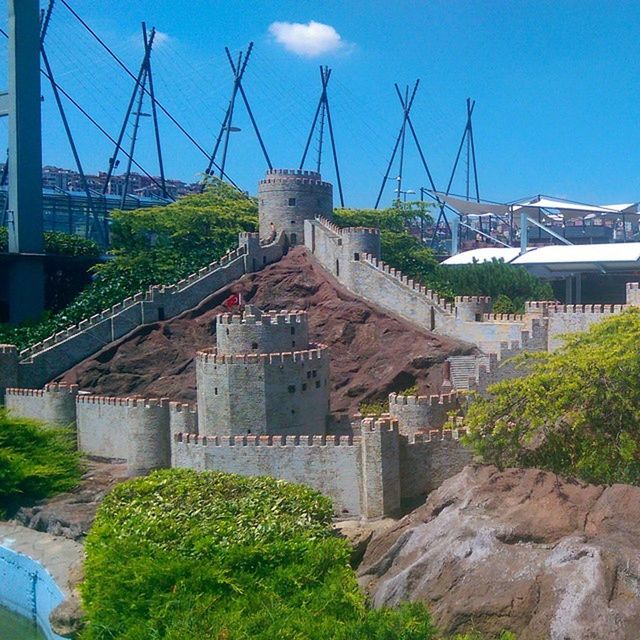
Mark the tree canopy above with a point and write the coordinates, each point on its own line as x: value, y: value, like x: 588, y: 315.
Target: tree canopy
x: 576, y: 412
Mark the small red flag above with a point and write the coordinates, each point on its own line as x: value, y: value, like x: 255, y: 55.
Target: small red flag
x: 232, y: 301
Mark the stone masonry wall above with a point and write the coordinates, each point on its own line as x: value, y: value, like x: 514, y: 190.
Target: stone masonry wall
x: 427, y: 460
x: 327, y: 463
x: 422, y: 413
x: 253, y: 394
x: 54, y: 405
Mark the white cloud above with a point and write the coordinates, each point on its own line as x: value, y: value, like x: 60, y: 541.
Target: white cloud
x: 161, y: 38
x: 310, y: 40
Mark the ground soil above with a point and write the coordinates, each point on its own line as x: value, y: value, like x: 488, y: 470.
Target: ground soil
x: 372, y: 352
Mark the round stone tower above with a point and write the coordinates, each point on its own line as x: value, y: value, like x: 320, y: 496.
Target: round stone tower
x: 288, y: 197
x: 263, y: 377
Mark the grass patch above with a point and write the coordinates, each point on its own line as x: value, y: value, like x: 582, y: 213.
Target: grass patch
x: 36, y: 462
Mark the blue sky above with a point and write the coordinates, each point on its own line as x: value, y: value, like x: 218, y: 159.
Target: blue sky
x: 556, y: 85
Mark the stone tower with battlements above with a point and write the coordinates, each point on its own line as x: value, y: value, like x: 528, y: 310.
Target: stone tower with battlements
x: 288, y: 197
x: 263, y: 377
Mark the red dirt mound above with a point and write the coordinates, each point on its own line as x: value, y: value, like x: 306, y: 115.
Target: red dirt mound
x: 372, y: 352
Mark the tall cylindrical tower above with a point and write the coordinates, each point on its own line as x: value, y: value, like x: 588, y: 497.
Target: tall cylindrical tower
x: 288, y: 197
x: 263, y: 377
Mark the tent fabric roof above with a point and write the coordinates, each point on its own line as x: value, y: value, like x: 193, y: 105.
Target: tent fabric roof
x: 483, y: 255
x: 471, y: 207
x: 582, y: 253
x: 565, y: 207
x: 560, y: 258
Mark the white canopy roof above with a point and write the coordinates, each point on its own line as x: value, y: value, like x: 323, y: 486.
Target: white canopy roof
x: 560, y: 258
x: 486, y: 254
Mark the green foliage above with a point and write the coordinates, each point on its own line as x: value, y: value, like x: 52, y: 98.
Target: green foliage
x: 504, y: 304
x: 577, y: 412
x: 181, y: 554
x: 152, y: 246
x: 494, y: 279
x: 35, y: 462
x: 57, y: 243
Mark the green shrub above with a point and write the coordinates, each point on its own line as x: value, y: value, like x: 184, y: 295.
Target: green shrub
x: 181, y: 554
x: 36, y: 462
x: 577, y: 412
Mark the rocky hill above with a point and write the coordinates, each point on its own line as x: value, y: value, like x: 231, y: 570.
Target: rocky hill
x: 519, y: 549
x: 372, y: 352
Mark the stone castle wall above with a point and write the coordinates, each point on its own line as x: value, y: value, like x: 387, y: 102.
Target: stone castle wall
x: 422, y: 413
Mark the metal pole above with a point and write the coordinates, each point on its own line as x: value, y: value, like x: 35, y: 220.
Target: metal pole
x: 154, y: 112
x: 407, y: 109
x: 126, y: 70
x: 230, y: 119
x: 112, y: 160
x: 335, y: 154
x: 134, y: 137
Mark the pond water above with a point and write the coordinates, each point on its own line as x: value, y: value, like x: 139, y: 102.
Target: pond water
x: 15, y: 627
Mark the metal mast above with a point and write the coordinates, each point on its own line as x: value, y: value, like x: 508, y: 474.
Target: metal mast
x: 238, y: 68
x: 406, y: 102
x: 323, y: 111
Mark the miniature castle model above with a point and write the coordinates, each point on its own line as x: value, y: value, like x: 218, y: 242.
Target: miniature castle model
x: 263, y: 390
x: 286, y: 198
x: 263, y: 377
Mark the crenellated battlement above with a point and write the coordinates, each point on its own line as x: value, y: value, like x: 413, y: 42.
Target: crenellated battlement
x: 182, y: 407
x: 443, y: 399
x: 437, y: 435
x: 268, y: 317
x: 8, y: 349
x: 143, y: 403
x: 267, y: 440
x: 346, y: 230
x: 295, y: 176
x: 503, y: 317
x: 410, y: 283
x: 473, y: 299
x: 211, y: 356
x: 32, y: 393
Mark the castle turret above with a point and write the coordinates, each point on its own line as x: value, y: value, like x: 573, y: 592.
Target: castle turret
x: 263, y: 377
x: 288, y: 197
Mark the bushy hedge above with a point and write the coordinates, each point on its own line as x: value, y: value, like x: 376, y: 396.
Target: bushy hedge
x: 152, y: 246
x: 181, y: 554
x: 577, y: 412
x: 36, y: 462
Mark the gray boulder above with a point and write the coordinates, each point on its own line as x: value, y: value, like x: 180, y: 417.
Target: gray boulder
x: 524, y: 550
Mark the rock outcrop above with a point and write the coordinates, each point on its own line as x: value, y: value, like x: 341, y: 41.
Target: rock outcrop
x: 524, y: 550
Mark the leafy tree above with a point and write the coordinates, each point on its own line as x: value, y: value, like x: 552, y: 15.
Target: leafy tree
x: 36, y: 461
x: 577, y: 412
